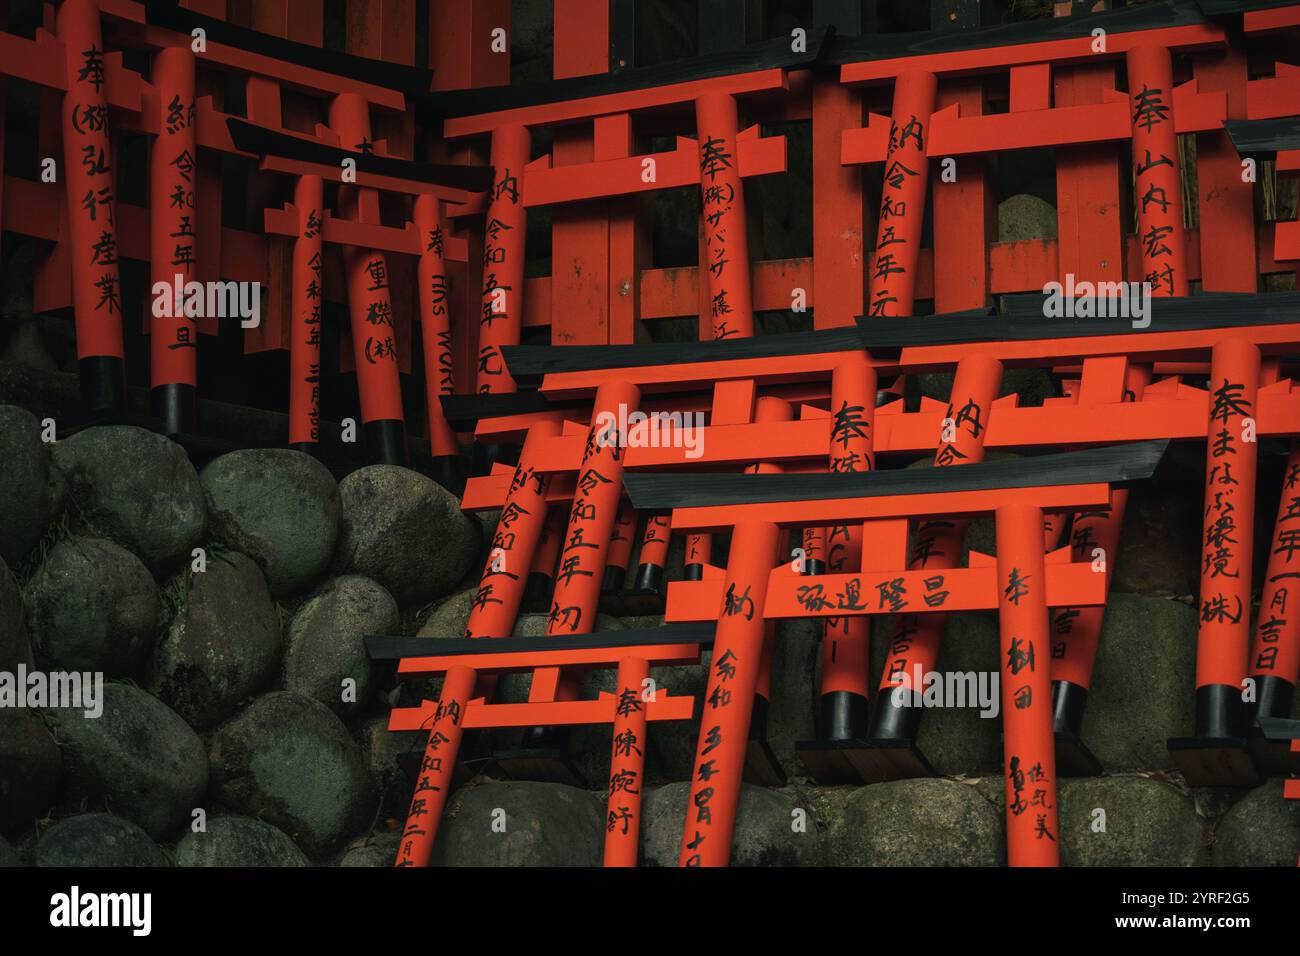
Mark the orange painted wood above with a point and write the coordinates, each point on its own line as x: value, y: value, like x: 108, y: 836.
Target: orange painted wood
x: 1225, y: 203
x: 541, y: 713
x: 1090, y: 230
x: 837, y: 280
x: 965, y: 210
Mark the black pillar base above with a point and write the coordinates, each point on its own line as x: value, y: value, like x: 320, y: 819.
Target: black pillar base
x: 1073, y: 758
x: 542, y: 764
x: 103, y: 388
x: 649, y: 579
x: 1216, y: 754
x: 843, y: 719
x: 1271, y: 727
x: 870, y: 760
x: 307, y: 448
x: 844, y: 715
x: 893, y: 721
x: 541, y: 757
x: 814, y: 567
x: 1274, y: 697
x: 693, y: 572
x: 1270, y: 746
x: 537, y: 591
x: 175, y: 407
x: 761, y: 764
x: 1214, y: 761
x: 612, y: 583
x: 386, y: 442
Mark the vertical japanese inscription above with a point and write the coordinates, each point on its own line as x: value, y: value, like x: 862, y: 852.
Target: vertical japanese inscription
x: 307, y: 301
x: 501, y: 300
x: 726, y: 269
x: 88, y: 173
x: 902, y: 198
x: 1155, y: 171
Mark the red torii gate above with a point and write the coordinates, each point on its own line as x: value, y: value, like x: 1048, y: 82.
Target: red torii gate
x: 752, y: 591
x: 458, y: 709
x: 1099, y: 414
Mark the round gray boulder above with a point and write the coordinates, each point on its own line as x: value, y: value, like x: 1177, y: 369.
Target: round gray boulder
x: 381, y: 748
x: 29, y: 769
x: 278, y: 506
x: 25, y: 505
x: 288, y: 760
x: 1262, y: 829
x: 92, y: 605
x: 96, y: 839
x: 238, y: 841
x: 958, y: 739
x: 1025, y: 216
x: 325, y: 645
x: 379, y: 850
x: 137, y: 756
x: 922, y: 822
x: 518, y: 823
x: 137, y: 488
x: 406, y: 532
x: 773, y: 828
x: 1133, y: 711
x: 450, y: 617
x: 224, y: 644
x: 14, y: 648
x: 1141, y: 822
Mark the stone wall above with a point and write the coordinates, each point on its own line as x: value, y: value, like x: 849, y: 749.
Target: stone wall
x: 226, y: 606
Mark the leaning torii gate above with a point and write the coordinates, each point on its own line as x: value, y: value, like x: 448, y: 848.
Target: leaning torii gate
x: 1099, y: 410
x: 1021, y: 585
x: 1192, y: 330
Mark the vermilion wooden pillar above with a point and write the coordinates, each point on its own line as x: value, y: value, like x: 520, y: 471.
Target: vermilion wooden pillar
x: 592, y: 517
x: 90, y: 201
x: 724, y: 274
x: 846, y: 641
x: 1028, y: 745
x: 914, y: 646
x: 1161, y: 237
x: 436, y: 769
x: 512, y: 549
x: 307, y: 300
x: 902, y: 199
x: 654, y: 553
x: 501, y: 314
x: 435, y: 323
x: 620, y: 549
x: 173, y: 241
x: 733, y: 676
x: 762, y: 764
x: 1275, y: 653
x: 370, y: 307
x: 1076, y: 631
x: 493, y: 613
x: 1228, y: 538
x: 460, y: 49
x: 626, y: 764
x: 585, y: 545
x: 725, y: 269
